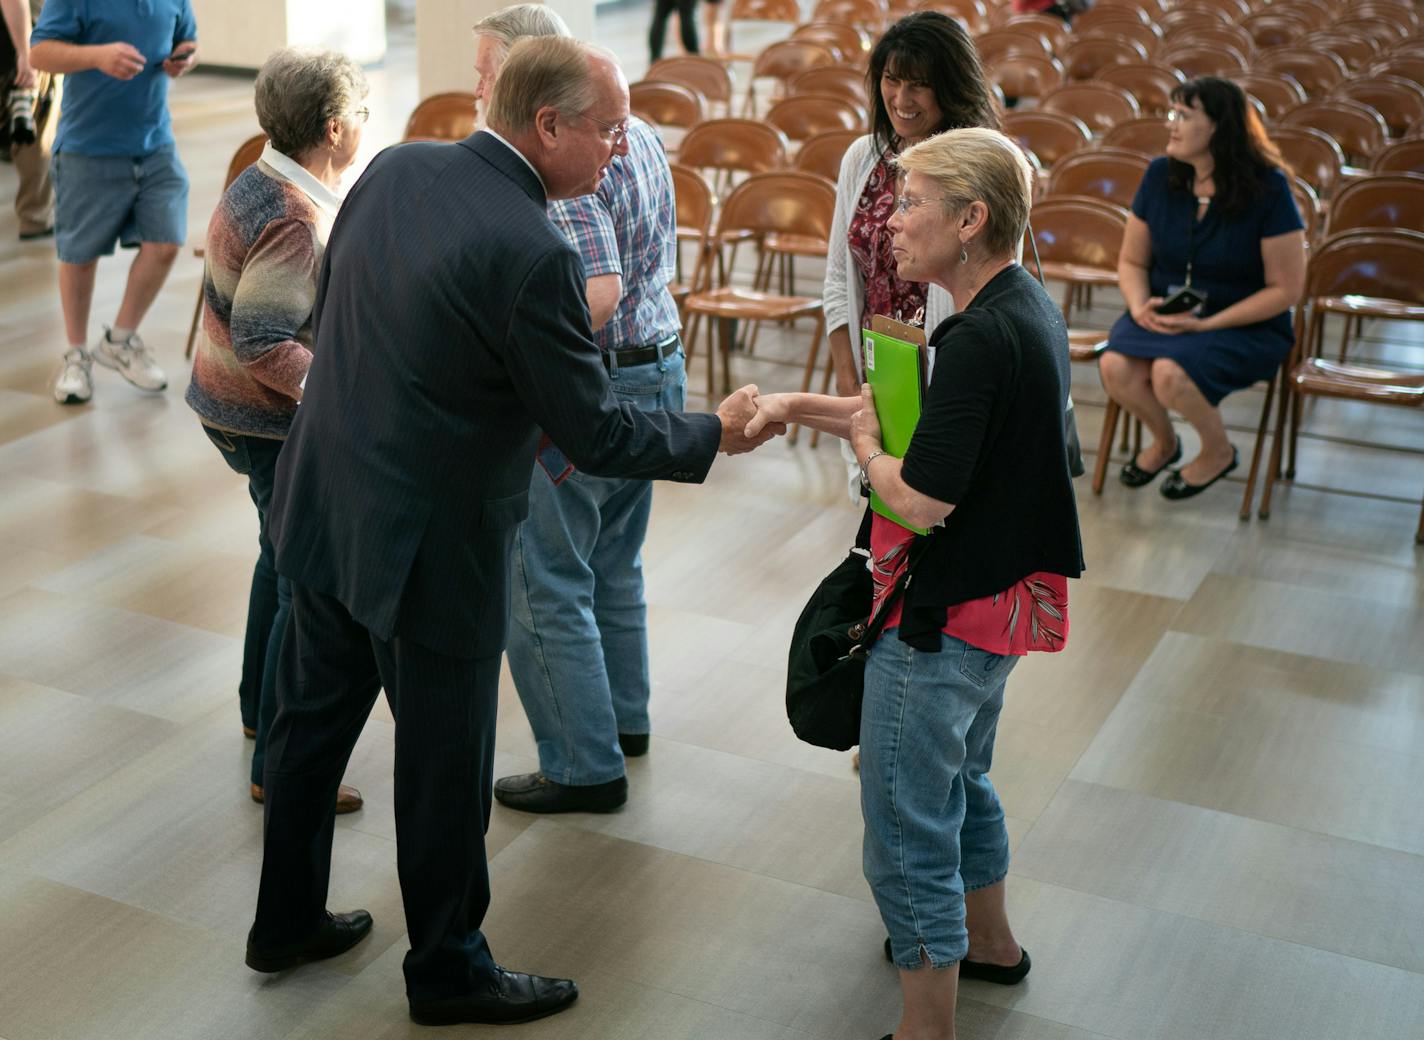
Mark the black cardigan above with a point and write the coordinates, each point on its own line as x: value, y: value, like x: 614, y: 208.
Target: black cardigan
x: 991, y: 442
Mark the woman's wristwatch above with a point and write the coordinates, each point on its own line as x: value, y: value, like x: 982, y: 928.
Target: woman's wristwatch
x: 865, y: 469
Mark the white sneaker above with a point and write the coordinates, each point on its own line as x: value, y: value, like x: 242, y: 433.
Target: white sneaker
x: 75, y: 382
x: 131, y: 360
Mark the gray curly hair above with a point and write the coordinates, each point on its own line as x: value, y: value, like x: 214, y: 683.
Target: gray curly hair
x: 299, y: 90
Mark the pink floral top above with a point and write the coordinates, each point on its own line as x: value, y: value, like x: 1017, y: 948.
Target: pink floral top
x: 870, y: 243
x: 1031, y: 615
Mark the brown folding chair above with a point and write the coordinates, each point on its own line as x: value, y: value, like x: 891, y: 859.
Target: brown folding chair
x: 1078, y: 240
x: 787, y: 203
x: 1053, y: 30
x: 1233, y: 37
x: 1151, y: 85
x: 870, y: 15
x: 1110, y: 174
x: 247, y: 153
x: 787, y: 11
x: 666, y: 103
x: 1312, y: 154
x: 1381, y: 31
x: 1374, y: 268
x: 1356, y: 51
x: 1271, y: 28
x: 972, y: 14
x: 1409, y: 66
x: 1357, y: 128
x: 1318, y: 72
x: 851, y: 42
x: 840, y: 80
x: 1277, y: 91
x: 695, y: 205
x: 442, y: 117
x: 998, y: 44
x: 1024, y: 75
x: 1398, y: 100
x: 782, y: 62
x: 1146, y: 35
x: 710, y: 78
x: 1195, y: 59
x: 1227, y: 10
x: 1087, y: 56
x: 1309, y: 205
x: 802, y: 116
x: 1181, y: 18
x: 1101, y: 106
x: 1049, y: 136
x: 822, y: 154
x: 1401, y: 157
x: 1147, y: 135
x: 1108, y: 15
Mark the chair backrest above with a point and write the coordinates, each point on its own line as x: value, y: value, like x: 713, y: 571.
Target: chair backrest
x: 1308, y: 202
x: 1073, y: 230
x: 666, y: 104
x: 788, y: 202
x: 870, y: 15
x: 765, y: 11
x: 1151, y: 85
x: 1232, y: 36
x: 823, y: 153
x: 1099, y: 105
x: 1316, y: 71
x: 1226, y: 10
x: 1086, y: 56
x: 1271, y: 28
x: 1409, y: 66
x: 738, y: 145
x: 851, y: 42
x: 247, y: 153
x: 803, y: 116
x: 1148, y: 36
x: 1025, y: 75
x: 1048, y: 135
x: 973, y: 14
x: 442, y: 117
x: 1382, y: 200
x: 1278, y: 91
x: 1405, y: 156
x: 1382, y: 31
x: 1358, y: 129
x: 1110, y: 174
x: 1312, y: 154
x: 1372, y: 262
x: 1195, y: 59
x: 711, y: 79
x: 694, y: 197
x: 1147, y: 135
x: 1100, y: 15
x: 1398, y: 100
x: 997, y: 44
x: 784, y: 59
x: 1357, y: 52
x: 1052, y: 29
x: 1184, y: 17
x: 840, y: 80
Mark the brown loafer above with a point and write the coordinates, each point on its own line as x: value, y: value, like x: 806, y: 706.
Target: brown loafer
x: 348, y: 799
x: 249, y: 732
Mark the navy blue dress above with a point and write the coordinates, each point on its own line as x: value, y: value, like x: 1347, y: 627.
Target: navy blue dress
x: 1227, y: 266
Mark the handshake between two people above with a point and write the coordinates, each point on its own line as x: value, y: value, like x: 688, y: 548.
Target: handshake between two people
x: 750, y: 419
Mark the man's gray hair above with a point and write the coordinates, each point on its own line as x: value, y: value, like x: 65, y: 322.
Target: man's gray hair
x: 543, y: 72
x: 299, y: 90
x: 514, y: 23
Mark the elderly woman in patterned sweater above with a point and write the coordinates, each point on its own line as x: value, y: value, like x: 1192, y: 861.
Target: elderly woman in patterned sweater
x: 264, y: 250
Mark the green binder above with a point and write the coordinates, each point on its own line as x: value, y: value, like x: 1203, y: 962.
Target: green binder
x: 895, y: 369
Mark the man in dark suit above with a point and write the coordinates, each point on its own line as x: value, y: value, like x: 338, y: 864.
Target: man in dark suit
x: 451, y: 329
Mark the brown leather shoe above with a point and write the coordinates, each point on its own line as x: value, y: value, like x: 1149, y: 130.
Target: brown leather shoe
x: 348, y: 799
x: 249, y: 732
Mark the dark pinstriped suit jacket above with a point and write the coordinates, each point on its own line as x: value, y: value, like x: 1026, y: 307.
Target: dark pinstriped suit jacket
x: 451, y: 326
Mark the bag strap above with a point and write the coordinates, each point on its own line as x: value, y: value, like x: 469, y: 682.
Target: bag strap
x: 876, y: 624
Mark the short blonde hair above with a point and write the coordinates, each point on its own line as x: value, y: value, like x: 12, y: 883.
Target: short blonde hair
x: 975, y: 164
x: 542, y: 72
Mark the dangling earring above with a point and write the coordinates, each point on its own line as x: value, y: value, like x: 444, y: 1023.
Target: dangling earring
x: 963, y: 255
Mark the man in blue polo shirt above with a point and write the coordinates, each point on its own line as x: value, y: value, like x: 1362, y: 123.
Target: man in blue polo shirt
x: 116, y: 171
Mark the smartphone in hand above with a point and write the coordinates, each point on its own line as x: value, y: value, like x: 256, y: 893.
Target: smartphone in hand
x: 1180, y: 302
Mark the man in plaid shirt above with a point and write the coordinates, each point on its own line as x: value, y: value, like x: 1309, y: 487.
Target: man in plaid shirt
x: 578, y: 645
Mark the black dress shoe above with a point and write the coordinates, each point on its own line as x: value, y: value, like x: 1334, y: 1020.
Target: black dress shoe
x: 534, y: 792
x: 508, y: 998
x: 1001, y: 974
x: 634, y: 745
x: 1134, y: 475
x: 1176, y: 487
x: 337, y: 934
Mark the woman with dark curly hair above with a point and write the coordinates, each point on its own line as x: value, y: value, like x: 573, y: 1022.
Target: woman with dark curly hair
x: 1216, y: 214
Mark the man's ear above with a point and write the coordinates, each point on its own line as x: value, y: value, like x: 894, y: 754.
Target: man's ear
x: 546, y: 124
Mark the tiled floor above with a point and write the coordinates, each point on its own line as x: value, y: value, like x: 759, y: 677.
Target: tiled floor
x: 1213, y: 793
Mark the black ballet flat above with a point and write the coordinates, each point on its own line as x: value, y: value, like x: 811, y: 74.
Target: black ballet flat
x: 1135, y: 476
x: 1176, y: 488
x: 999, y: 974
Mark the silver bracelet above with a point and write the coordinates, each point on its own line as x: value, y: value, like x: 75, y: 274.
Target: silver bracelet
x: 865, y: 469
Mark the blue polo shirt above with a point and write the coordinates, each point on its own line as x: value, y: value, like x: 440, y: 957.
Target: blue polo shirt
x: 101, y: 115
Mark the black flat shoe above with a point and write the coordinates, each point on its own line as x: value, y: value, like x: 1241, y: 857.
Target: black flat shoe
x: 1134, y: 475
x: 634, y: 745
x: 1176, y: 488
x: 1003, y: 975
x: 536, y: 793
x: 337, y: 934
x: 509, y: 997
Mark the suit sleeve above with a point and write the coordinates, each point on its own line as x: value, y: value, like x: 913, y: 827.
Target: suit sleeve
x: 554, y: 365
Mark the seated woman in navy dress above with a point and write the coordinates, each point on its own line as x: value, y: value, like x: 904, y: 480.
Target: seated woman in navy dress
x: 1215, y: 213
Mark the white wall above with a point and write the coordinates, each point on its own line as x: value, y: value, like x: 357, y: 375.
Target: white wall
x: 243, y: 34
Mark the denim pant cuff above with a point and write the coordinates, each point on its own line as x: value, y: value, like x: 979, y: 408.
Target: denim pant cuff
x: 974, y: 886
x: 942, y: 955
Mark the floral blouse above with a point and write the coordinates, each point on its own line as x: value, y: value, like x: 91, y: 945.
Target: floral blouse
x: 870, y: 248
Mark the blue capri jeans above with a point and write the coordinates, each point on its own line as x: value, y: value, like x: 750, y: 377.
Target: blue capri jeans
x: 934, y: 828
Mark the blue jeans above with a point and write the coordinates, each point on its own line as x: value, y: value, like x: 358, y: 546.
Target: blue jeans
x: 578, y: 644
x: 269, y: 603
x: 934, y: 828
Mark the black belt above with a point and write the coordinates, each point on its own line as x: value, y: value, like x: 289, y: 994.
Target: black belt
x: 641, y: 355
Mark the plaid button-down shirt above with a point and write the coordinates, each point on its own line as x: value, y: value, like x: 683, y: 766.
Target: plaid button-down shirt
x: 628, y: 227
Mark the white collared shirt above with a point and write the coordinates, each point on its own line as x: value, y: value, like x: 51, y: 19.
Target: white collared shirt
x: 326, y: 199
x: 495, y: 134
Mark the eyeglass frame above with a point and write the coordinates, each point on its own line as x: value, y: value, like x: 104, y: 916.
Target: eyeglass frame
x: 363, y: 114
x: 619, y: 131
x: 904, y: 203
